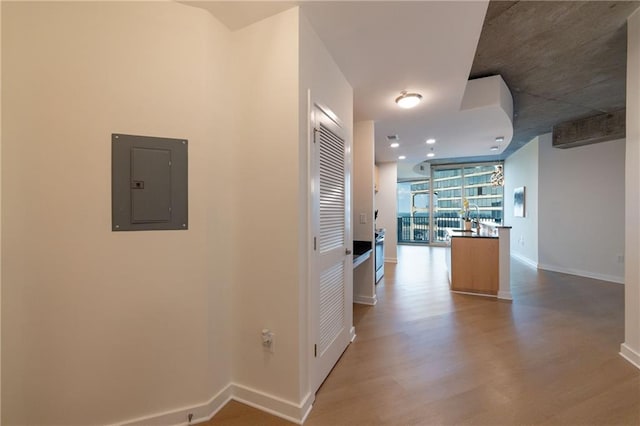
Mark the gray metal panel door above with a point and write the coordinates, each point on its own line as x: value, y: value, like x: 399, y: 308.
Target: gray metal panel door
x: 150, y: 185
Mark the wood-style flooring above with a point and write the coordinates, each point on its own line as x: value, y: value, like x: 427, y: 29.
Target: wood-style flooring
x: 425, y: 356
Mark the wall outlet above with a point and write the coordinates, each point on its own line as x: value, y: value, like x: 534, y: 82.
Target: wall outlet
x: 268, y: 340
x: 621, y: 258
x: 521, y: 240
x: 363, y: 218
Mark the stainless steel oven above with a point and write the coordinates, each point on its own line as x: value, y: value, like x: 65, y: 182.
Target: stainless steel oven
x: 379, y: 254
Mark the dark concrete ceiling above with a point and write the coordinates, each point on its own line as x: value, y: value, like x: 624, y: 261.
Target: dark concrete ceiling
x: 562, y: 60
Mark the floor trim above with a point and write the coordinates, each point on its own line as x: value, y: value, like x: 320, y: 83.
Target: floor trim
x: 180, y: 417
x: 525, y: 260
x: 365, y: 300
x: 505, y: 295
x: 296, y: 413
x: 630, y: 355
x: 594, y: 275
x: 279, y: 407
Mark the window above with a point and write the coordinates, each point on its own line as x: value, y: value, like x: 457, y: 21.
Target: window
x: 435, y: 204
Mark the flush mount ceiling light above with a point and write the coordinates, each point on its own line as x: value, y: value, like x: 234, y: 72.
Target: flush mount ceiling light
x: 431, y: 141
x: 500, y: 139
x: 408, y: 100
x: 394, y: 145
x: 494, y: 148
x: 431, y: 154
x: 402, y: 157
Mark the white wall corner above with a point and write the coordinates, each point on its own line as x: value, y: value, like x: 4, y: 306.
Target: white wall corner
x: 201, y: 412
x: 505, y: 295
x: 352, y: 334
x: 630, y: 355
x: 365, y: 300
x: 529, y: 262
x: 630, y: 349
x: 296, y: 413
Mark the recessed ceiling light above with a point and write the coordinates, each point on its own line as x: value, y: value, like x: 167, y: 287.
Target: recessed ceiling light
x: 494, y: 148
x: 394, y: 145
x: 431, y: 141
x: 402, y: 157
x: 431, y: 154
x: 500, y: 139
x: 408, y: 100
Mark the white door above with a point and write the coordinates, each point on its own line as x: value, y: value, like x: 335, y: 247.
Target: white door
x: 331, y: 264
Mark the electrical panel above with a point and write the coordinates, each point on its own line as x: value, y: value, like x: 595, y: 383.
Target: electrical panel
x: 148, y: 183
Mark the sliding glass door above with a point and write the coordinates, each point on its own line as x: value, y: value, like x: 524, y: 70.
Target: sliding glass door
x: 428, y: 208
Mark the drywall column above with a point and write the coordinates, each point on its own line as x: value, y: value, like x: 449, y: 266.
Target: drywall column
x: 630, y: 349
x: 504, y: 262
x: 321, y: 82
x: 387, y: 205
x: 267, y: 257
x: 364, y: 285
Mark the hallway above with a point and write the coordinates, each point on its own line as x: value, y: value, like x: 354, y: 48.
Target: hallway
x: 426, y: 356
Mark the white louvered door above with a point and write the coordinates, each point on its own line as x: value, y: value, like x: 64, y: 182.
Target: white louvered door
x: 330, y: 282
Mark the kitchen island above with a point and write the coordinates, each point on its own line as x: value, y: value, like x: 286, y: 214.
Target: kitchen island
x: 479, y: 261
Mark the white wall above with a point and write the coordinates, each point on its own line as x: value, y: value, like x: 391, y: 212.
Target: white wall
x: 521, y: 169
x: 631, y: 346
x: 387, y: 205
x: 363, y: 181
x: 106, y: 327
x: 266, y: 186
x: 321, y: 83
x: 276, y: 63
x: 581, y: 209
x: 364, y: 286
x: 102, y: 326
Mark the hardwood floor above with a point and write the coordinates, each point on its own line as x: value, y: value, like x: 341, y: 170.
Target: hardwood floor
x: 425, y: 356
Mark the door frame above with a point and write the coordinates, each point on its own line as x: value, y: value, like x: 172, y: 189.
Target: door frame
x: 312, y: 303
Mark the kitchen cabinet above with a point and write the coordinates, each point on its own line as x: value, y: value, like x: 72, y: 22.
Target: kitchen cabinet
x: 474, y: 265
x: 479, y: 262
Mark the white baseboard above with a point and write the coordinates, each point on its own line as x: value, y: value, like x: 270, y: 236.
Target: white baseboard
x: 201, y: 412
x: 279, y: 407
x: 630, y: 355
x: 468, y: 293
x: 524, y: 260
x: 594, y: 275
x: 505, y: 295
x: 296, y: 413
x: 390, y: 260
x: 365, y: 300
x: 352, y: 334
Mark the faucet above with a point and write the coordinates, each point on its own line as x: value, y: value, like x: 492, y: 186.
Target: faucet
x: 477, y: 216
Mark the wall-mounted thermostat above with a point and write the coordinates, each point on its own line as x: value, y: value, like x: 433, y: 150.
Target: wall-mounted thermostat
x: 148, y: 183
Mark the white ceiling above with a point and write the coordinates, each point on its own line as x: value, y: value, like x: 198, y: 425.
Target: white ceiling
x: 384, y: 47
